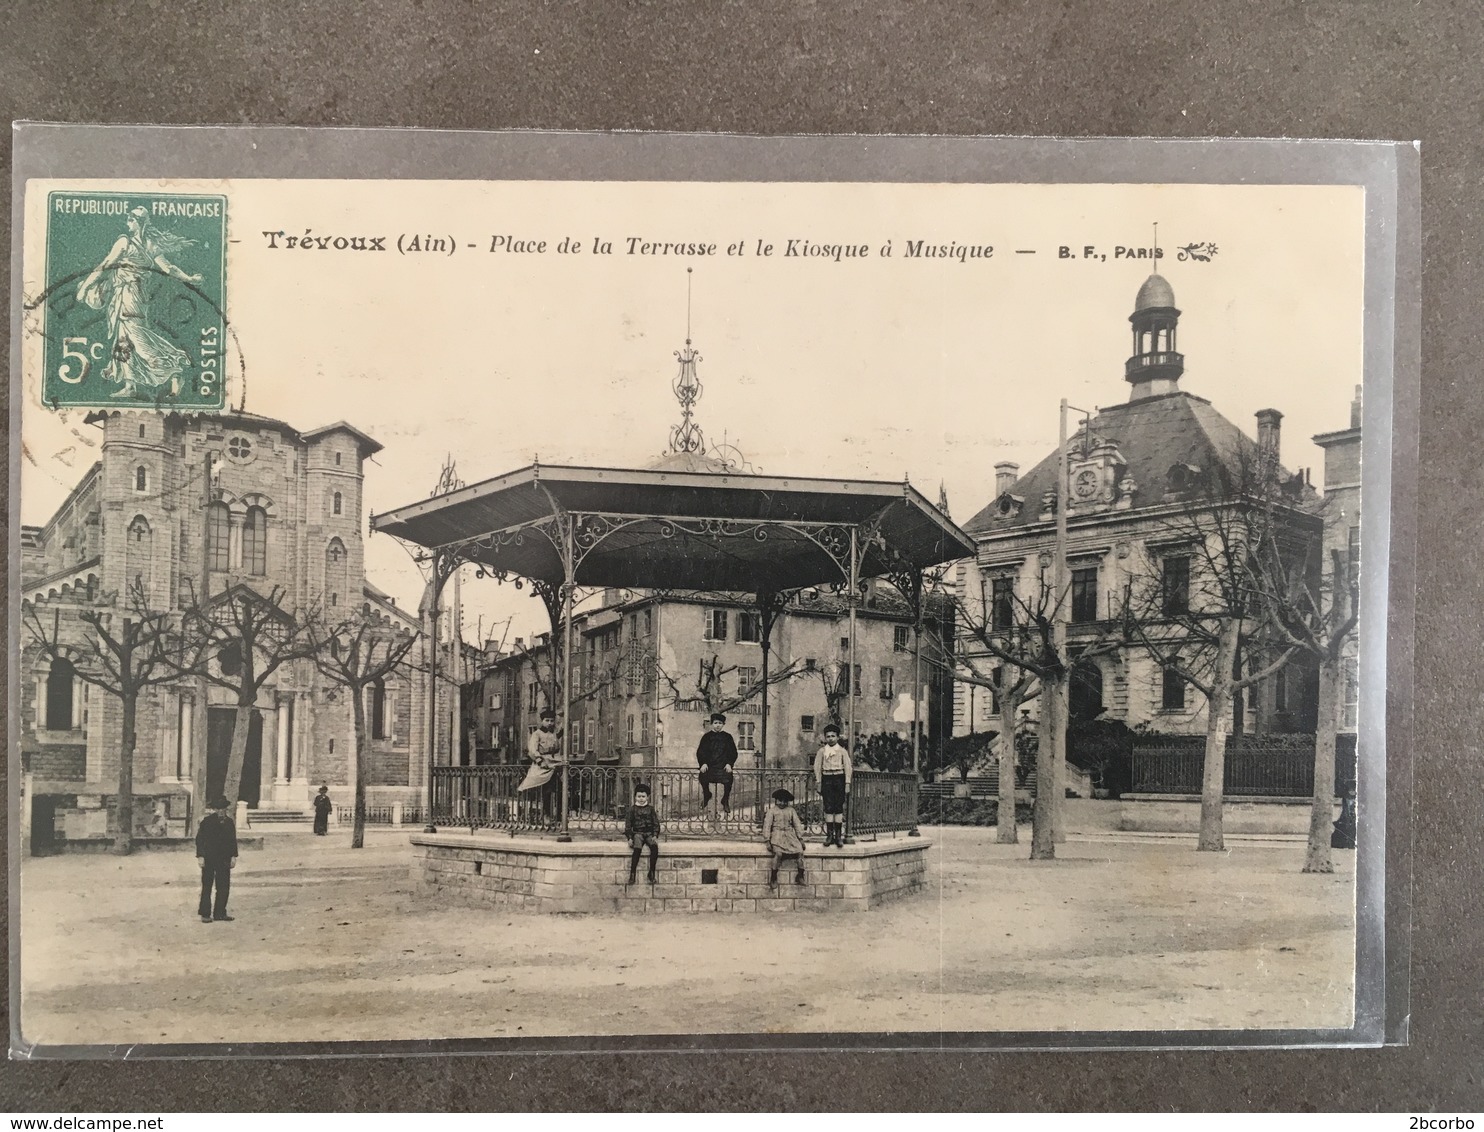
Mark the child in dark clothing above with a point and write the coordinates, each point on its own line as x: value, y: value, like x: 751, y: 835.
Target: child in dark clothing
x: 640, y: 830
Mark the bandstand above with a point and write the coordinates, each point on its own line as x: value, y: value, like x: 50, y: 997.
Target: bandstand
x: 691, y: 523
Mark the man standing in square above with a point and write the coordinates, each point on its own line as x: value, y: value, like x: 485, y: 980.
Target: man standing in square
x: 216, y: 853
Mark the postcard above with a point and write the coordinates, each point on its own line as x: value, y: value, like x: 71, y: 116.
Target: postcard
x: 737, y: 604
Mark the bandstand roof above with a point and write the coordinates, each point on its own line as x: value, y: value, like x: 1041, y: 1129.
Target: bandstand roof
x: 669, y: 528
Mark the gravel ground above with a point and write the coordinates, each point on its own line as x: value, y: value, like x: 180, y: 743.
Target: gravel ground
x: 331, y: 943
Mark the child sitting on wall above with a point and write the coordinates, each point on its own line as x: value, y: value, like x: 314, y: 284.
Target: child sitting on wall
x: 783, y: 831
x: 641, y: 830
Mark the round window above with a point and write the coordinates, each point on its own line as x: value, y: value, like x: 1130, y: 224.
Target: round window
x: 240, y: 449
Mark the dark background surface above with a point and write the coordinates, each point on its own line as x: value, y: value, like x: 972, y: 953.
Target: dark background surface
x: 1216, y: 68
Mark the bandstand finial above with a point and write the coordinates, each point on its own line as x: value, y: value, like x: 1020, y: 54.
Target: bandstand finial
x: 686, y: 437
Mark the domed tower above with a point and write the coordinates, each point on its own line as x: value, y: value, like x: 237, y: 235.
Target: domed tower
x: 1155, y: 367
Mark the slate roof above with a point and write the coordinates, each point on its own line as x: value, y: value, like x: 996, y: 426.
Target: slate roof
x: 1152, y: 434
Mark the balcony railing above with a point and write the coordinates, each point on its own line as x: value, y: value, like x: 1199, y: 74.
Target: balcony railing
x: 1159, y: 359
x: 486, y: 797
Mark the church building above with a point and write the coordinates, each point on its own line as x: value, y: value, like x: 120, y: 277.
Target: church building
x: 185, y: 505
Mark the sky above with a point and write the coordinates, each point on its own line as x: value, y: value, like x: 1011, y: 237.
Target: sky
x: 870, y: 367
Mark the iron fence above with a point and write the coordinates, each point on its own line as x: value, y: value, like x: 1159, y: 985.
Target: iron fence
x: 489, y: 797
x: 1256, y: 766
x: 881, y: 803
x: 381, y: 815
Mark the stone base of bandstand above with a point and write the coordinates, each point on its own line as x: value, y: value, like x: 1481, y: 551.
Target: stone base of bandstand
x: 545, y: 875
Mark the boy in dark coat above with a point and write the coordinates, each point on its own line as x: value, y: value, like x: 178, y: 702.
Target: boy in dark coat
x: 715, y: 755
x: 216, y: 853
x: 641, y: 830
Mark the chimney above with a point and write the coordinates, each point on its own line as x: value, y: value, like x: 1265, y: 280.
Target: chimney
x: 520, y: 642
x: 1355, y: 406
x: 1268, y: 422
x: 1005, y: 475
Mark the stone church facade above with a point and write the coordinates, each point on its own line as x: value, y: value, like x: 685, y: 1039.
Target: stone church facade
x: 186, y: 505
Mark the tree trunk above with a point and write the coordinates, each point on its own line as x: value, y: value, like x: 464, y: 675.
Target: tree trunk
x: 1213, y: 778
x: 1005, y: 829
x: 358, y: 711
x: 123, y: 842
x: 237, y: 756
x: 1043, y: 837
x: 1322, y: 814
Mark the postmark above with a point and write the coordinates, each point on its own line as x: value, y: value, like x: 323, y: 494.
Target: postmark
x: 133, y: 312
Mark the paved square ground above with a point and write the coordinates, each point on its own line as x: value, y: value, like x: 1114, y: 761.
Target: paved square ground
x: 331, y: 943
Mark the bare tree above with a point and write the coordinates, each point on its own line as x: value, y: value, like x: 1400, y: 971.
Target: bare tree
x: 1013, y: 688
x: 1006, y: 643
x: 720, y: 687
x: 251, y: 636
x: 359, y: 652
x: 122, y: 647
x: 1317, y: 620
x: 1198, y: 607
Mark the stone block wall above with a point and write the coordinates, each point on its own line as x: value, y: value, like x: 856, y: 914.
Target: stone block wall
x: 549, y: 876
x: 60, y: 762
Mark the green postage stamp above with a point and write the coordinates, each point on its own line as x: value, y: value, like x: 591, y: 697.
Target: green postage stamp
x: 135, y: 300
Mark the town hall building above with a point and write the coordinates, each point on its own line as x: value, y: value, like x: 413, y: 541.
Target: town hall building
x: 1141, y: 477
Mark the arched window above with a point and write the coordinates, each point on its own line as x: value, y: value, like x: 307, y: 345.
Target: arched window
x: 141, y: 478
x: 218, y: 536
x: 378, y: 709
x: 336, y: 504
x: 59, y: 682
x: 138, y: 556
x: 255, y: 541
x: 337, y: 572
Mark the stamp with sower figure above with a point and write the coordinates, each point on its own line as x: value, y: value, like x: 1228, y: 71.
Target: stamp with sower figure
x: 135, y: 299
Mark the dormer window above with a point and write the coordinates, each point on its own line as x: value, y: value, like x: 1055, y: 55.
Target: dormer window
x: 1008, y: 506
x: 1183, y: 477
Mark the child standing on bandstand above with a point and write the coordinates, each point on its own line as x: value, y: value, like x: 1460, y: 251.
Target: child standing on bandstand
x: 832, y: 772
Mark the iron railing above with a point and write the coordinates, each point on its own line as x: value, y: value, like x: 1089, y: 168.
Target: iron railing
x: 1151, y: 360
x: 487, y: 797
x: 381, y: 815
x: 1258, y: 766
x: 881, y: 803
